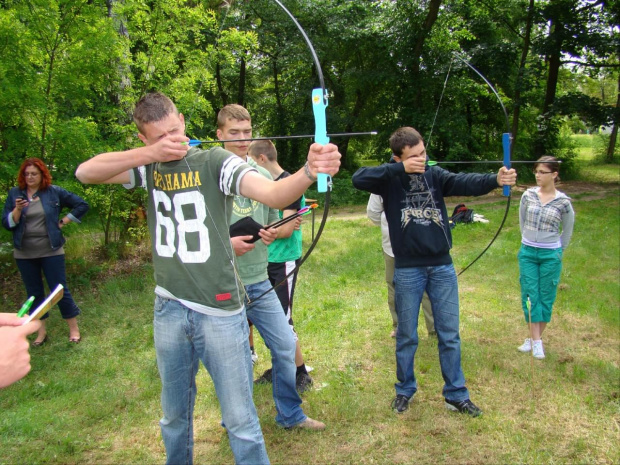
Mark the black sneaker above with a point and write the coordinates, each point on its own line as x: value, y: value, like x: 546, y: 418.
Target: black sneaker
x: 265, y: 378
x: 464, y: 406
x: 303, y: 382
x: 401, y: 403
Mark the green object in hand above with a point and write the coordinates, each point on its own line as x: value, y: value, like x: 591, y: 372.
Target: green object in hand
x: 25, y: 307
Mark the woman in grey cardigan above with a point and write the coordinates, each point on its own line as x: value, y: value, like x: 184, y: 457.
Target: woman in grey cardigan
x: 546, y: 218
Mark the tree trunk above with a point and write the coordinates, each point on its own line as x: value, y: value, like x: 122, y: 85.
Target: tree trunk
x: 242, y: 76
x: 611, y: 148
x: 418, y: 47
x: 524, y: 53
x: 554, y: 60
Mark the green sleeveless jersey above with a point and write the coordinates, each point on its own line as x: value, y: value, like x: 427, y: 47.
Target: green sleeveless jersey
x: 287, y: 249
x: 189, y: 204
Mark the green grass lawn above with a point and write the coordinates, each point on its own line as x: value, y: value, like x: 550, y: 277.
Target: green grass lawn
x: 98, y: 402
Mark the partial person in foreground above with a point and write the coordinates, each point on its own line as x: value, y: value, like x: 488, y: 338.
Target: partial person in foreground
x: 33, y: 213
x: 14, y: 355
x: 199, y: 313
x: 376, y: 214
x: 284, y: 256
x: 413, y: 197
x: 546, y: 219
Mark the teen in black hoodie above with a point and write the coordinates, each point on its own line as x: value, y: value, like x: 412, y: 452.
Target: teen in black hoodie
x: 413, y: 197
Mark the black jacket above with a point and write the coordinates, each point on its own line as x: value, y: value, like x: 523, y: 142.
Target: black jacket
x: 415, y: 208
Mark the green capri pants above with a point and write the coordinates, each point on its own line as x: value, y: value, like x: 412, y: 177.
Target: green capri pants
x: 539, y: 274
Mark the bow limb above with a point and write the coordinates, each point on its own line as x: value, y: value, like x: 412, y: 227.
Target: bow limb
x: 506, y: 137
x: 319, y: 104
x: 319, y: 101
x: 507, y: 148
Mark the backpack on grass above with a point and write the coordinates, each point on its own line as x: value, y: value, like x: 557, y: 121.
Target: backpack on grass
x: 462, y: 214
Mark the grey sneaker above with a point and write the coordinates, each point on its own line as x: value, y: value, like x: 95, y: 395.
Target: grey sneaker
x: 400, y: 404
x: 310, y: 424
x: 464, y: 406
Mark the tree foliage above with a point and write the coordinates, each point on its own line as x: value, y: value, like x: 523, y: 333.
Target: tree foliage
x: 71, y: 70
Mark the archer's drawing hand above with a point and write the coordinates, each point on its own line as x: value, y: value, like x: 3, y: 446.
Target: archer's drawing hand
x: 170, y: 148
x: 323, y: 159
x: 268, y: 235
x: 240, y: 246
x: 415, y: 164
x: 506, y: 177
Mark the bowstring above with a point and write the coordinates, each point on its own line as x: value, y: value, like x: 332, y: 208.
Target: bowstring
x: 230, y: 258
x: 430, y: 135
x: 445, y: 84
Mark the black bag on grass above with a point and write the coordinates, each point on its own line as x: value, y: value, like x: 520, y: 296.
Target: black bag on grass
x: 462, y: 214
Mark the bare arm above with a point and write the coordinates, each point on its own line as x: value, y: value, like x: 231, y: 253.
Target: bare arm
x: 113, y: 167
x: 321, y: 158
x: 287, y: 229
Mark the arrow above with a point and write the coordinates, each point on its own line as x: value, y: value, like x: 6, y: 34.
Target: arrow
x: 433, y: 163
x: 195, y: 142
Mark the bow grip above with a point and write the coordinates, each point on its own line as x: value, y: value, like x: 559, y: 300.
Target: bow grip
x: 319, y: 104
x: 506, y: 139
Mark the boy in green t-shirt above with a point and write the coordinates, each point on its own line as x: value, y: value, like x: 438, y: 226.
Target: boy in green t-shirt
x: 199, y: 313
x: 262, y: 305
x: 284, y: 255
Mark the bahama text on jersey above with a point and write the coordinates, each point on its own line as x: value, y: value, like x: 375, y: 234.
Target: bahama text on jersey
x: 176, y: 181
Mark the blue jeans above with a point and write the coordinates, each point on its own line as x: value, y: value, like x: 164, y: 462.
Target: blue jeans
x: 441, y: 285
x: 54, y: 270
x: 268, y: 317
x: 184, y: 337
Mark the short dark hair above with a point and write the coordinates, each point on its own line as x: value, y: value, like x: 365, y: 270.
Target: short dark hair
x: 403, y: 137
x: 151, y: 108
x: 265, y: 147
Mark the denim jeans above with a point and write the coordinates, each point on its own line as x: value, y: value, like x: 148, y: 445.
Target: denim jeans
x: 441, y: 285
x: 268, y: 317
x: 184, y: 337
x: 54, y: 270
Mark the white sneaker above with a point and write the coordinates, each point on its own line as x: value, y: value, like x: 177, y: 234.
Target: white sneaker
x: 526, y: 346
x: 254, y: 357
x: 537, y: 350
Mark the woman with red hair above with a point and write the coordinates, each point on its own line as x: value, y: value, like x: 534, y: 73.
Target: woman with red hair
x: 32, y: 212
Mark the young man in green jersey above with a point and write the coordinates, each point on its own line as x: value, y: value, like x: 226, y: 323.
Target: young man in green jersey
x: 199, y: 313
x: 262, y: 305
x: 284, y: 256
